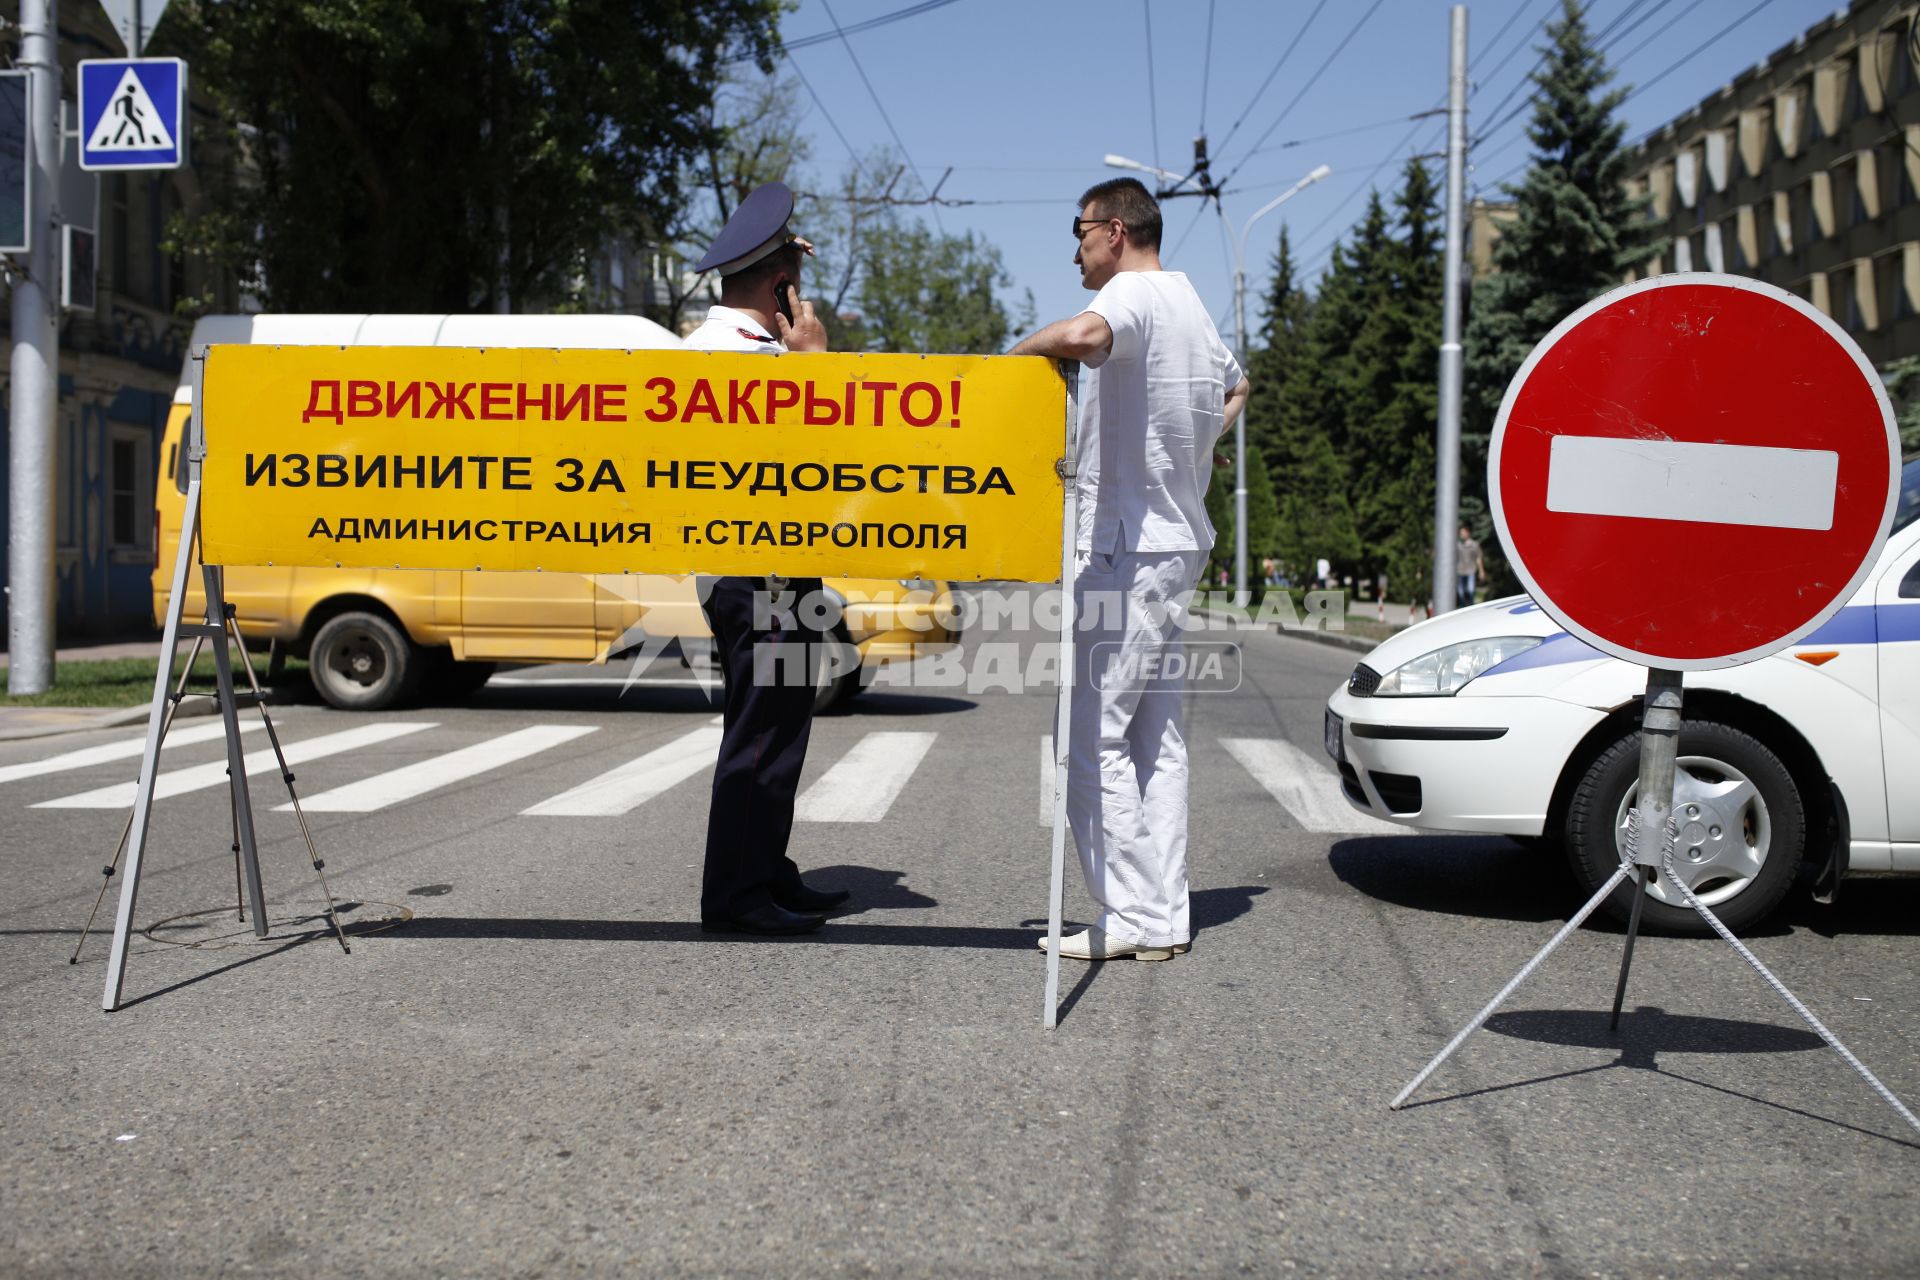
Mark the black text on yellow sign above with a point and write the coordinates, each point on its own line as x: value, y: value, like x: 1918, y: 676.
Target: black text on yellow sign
x: 634, y: 462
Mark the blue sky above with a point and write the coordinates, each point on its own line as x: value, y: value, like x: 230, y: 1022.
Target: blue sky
x: 1023, y: 98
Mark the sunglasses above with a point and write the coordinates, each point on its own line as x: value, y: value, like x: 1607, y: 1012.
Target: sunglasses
x: 1080, y: 226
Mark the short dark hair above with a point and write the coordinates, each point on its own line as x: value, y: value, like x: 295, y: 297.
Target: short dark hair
x: 786, y: 258
x: 1129, y: 201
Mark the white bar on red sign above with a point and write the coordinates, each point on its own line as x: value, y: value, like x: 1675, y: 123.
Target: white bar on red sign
x: 1681, y: 480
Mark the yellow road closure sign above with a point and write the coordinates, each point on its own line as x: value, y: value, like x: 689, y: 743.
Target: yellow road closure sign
x: 633, y: 462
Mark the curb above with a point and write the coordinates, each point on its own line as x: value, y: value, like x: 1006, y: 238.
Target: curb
x: 1359, y: 644
x: 194, y: 704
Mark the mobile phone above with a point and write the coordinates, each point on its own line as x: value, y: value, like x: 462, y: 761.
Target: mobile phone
x: 780, y: 298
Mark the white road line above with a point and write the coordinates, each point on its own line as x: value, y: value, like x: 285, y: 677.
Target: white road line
x: 1686, y: 480
x: 1304, y: 787
x: 626, y: 788
x: 1046, y: 780
x: 107, y: 752
x: 260, y: 764
x: 592, y: 682
x: 413, y: 780
x: 863, y: 784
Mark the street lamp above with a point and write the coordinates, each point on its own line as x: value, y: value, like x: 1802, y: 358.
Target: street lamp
x: 1178, y: 180
x: 1240, y: 596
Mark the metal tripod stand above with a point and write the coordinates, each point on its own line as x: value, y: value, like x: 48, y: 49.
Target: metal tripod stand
x: 1659, y: 743
x: 221, y: 629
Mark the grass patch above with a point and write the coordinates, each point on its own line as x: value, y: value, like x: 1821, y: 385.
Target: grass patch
x: 125, y: 682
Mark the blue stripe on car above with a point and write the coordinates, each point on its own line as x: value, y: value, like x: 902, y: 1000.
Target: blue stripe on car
x: 1859, y: 624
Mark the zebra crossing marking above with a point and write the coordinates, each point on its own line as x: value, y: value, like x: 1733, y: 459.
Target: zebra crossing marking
x: 178, y: 782
x: 411, y: 781
x: 126, y: 749
x: 863, y: 784
x: 624, y: 789
x: 1304, y: 788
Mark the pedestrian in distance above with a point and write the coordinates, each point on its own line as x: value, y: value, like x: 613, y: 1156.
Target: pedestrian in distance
x: 750, y: 885
x: 1161, y: 389
x: 1469, y: 565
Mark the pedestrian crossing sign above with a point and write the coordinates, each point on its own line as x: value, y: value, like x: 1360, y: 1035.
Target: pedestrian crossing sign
x: 133, y: 113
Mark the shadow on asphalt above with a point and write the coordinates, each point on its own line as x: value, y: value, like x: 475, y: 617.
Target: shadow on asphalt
x: 1649, y: 1030
x: 1646, y: 1032
x: 877, y: 702
x: 1493, y: 878
x: 1485, y: 876
x: 872, y: 889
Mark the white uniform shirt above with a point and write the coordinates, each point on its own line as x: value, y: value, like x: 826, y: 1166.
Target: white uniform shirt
x: 1149, y: 417
x: 728, y: 330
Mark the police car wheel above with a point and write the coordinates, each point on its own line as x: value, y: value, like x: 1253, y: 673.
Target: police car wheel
x: 1741, y: 820
x: 363, y: 662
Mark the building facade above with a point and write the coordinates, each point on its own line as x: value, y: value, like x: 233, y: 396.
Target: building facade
x: 118, y: 366
x: 1804, y: 171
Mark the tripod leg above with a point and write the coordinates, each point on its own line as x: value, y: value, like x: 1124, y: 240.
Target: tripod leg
x: 107, y: 872
x: 1526, y: 971
x: 236, y: 758
x: 286, y: 776
x: 1633, y: 932
x: 1793, y: 1001
x: 239, y: 894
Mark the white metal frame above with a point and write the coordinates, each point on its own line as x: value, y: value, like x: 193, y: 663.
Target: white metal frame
x: 1063, y: 713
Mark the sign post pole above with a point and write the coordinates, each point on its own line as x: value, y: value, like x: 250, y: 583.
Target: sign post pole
x: 1063, y: 713
x: 1653, y: 804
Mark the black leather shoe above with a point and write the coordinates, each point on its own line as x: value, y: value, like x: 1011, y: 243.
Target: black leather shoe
x: 770, y: 919
x: 804, y: 897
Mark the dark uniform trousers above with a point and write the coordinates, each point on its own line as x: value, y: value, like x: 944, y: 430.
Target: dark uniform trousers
x: 769, y: 713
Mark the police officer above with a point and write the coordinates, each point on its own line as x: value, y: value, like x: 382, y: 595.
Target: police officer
x: 750, y: 884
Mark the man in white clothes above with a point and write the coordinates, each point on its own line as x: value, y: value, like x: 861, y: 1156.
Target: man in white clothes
x: 1161, y: 390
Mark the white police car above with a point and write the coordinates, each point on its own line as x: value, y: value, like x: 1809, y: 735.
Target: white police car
x: 1494, y: 719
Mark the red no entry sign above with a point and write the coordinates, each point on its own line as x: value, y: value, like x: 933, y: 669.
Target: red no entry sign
x: 1694, y: 470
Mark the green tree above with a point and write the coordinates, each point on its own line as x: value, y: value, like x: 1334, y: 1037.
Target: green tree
x: 923, y: 290
x: 447, y: 155
x: 1903, y: 382
x: 1281, y: 346
x: 1395, y: 361
x: 1575, y: 233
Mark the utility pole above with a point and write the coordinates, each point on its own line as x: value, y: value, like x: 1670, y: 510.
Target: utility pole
x: 1446, y: 458
x: 1240, y: 596
x: 35, y: 371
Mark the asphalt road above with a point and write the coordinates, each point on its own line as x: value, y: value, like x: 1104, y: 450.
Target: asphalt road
x: 549, y: 1070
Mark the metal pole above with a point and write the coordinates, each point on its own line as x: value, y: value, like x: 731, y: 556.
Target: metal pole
x: 35, y: 371
x: 1240, y: 596
x: 1446, y: 460
x: 1652, y: 804
x: 1063, y: 713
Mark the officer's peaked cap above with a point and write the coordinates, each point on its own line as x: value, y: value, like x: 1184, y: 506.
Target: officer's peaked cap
x: 756, y: 229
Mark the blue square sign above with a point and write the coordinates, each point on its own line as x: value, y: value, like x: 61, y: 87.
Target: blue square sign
x: 133, y: 113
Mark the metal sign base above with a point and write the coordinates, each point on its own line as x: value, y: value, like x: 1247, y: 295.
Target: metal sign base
x: 221, y: 628
x: 1659, y: 743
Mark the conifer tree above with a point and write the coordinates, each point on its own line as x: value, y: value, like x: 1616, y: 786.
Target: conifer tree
x: 1396, y: 359
x: 1575, y: 233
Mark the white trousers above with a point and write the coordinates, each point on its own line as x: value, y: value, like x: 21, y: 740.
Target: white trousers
x: 1127, y: 755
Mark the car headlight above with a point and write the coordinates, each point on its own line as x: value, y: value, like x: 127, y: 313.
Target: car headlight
x: 1445, y: 672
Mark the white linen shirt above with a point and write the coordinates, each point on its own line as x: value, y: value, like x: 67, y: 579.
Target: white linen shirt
x: 1149, y: 417
x: 726, y: 329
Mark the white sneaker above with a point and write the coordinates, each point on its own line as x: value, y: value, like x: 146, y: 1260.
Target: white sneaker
x: 1092, y: 944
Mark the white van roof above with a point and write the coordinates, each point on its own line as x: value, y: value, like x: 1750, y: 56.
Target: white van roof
x: 588, y: 332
